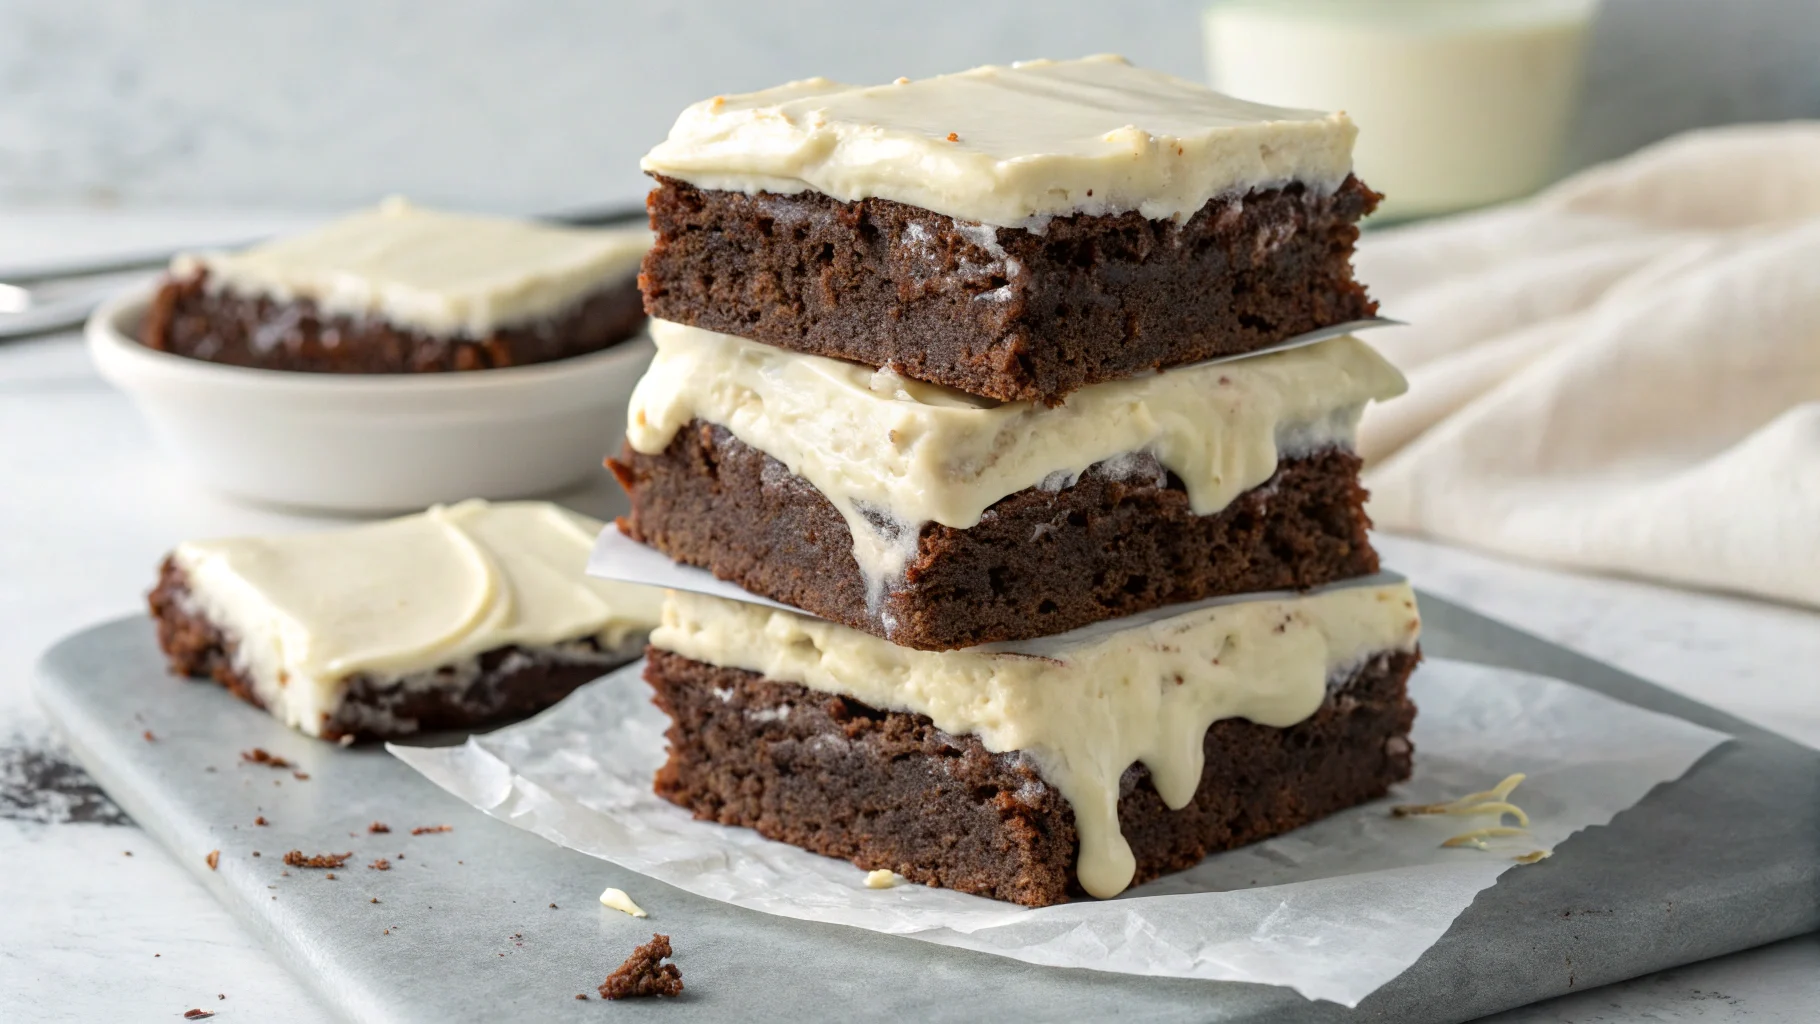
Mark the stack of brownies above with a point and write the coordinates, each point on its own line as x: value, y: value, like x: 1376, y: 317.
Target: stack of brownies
x: 1003, y: 379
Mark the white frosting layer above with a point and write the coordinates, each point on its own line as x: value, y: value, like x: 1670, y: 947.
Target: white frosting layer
x: 442, y: 273
x: 1007, y: 146
x: 1101, y: 700
x: 892, y: 454
x: 398, y: 599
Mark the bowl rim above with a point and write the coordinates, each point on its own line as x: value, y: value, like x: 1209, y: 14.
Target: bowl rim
x: 109, y: 340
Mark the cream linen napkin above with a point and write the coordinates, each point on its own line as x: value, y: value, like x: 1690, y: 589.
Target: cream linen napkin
x: 1622, y: 374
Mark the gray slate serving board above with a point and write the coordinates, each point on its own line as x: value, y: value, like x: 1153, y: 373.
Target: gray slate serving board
x: 1724, y: 859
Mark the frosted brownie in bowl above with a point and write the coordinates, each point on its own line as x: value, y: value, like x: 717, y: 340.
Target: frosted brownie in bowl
x: 403, y: 289
x: 457, y: 617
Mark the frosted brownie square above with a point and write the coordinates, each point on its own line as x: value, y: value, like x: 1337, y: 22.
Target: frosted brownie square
x: 1013, y: 232
x: 1111, y: 757
x: 453, y: 618
x: 938, y: 520
x: 402, y: 289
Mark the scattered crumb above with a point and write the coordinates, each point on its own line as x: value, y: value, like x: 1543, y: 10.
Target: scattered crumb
x: 330, y: 876
x: 552, y: 906
x: 427, y: 829
x: 953, y: 137
x: 374, y: 900
x: 583, y: 996
x: 260, y: 821
x: 882, y: 879
x: 301, y: 776
x: 149, y: 738
x: 297, y: 859
x: 126, y: 853
x: 198, y: 1014
x: 618, y: 900
x: 213, y: 858
x: 284, y: 874
x: 643, y: 974
x: 380, y: 865
x: 255, y: 853
x: 388, y: 931
x: 259, y: 755
x: 378, y: 826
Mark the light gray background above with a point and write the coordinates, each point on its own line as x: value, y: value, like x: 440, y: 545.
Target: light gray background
x: 547, y: 104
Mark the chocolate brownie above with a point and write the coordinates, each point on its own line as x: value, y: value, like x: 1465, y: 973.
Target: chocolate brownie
x: 501, y: 684
x: 188, y: 318
x: 1039, y: 562
x: 644, y: 973
x: 886, y: 789
x: 1007, y: 313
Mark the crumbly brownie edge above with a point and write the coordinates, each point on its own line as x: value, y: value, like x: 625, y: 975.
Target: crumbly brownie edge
x: 1038, y: 563
x: 886, y: 789
x: 506, y: 682
x: 1006, y: 313
x: 188, y: 318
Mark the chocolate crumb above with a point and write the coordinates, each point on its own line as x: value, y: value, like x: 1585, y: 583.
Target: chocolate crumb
x: 330, y: 876
x: 552, y: 906
x: 296, y: 859
x: 427, y: 829
x: 643, y: 974
x: 259, y: 755
x: 380, y: 865
x: 378, y: 827
x: 583, y: 996
x: 198, y: 1014
x: 149, y: 738
x: 128, y: 853
x: 255, y: 853
x: 213, y: 858
x: 374, y: 900
x: 301, y: 776
x: 222, y: 996
x: 259, y: 820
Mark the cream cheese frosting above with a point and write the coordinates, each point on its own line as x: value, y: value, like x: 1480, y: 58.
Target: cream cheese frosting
x: 1008, y: 146
x: 400, y: 598
x: 1087, y: 705
x: 879, y: 445
x: 443, y: 273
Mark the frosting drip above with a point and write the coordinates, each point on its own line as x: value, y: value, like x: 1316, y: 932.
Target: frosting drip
x: 893, y: 453
x: 1008, y: 146
x: 1086, y: 705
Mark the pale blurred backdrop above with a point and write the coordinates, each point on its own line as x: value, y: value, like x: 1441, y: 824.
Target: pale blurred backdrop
x: 547, y: 104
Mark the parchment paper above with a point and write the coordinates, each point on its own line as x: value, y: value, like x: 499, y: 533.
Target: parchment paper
x: 1333, y: 910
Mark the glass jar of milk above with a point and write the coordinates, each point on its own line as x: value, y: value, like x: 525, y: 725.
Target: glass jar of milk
x: 1459, y: 103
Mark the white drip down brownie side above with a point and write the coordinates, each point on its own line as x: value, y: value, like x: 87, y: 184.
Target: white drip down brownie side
x: 457, y: 617
x: 1102, y: 760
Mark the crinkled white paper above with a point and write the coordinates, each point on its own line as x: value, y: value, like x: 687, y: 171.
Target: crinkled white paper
x: 1333, y: 910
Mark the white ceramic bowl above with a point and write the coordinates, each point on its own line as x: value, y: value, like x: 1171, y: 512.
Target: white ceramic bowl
x: 372, y: 442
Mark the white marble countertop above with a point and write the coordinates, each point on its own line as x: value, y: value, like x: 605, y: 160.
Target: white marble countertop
x: 102, y: 924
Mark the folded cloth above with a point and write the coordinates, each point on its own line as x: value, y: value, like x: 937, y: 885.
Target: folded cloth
x: 1621, y: 374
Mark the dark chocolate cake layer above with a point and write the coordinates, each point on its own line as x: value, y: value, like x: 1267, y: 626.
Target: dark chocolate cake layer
x: 889, y: 790
x: 1006, y: 313
x: 187, y: 318
x: 1039, y: 562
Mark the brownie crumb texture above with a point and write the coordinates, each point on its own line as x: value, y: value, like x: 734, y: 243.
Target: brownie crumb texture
x: 378, y: 827
x: 214, y: 859
x: 422, y: 830
x: 297, y: 859
x: 644, y: 973
x: 187, y: 318
x: 259, y: 755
